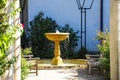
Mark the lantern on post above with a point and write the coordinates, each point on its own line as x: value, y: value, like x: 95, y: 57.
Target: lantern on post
x: 83, y: 6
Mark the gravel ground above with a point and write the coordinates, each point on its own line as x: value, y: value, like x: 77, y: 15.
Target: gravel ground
x: 66, y: 74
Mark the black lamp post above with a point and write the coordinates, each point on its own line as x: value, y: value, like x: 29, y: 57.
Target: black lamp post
x: 22, y: 6
x: 83, y: 6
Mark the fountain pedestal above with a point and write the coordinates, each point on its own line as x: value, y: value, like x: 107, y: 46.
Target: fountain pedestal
x: 57, y: 59
x: 57, y: 37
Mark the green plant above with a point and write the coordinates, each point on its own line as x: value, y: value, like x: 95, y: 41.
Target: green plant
x: 68, y: 45
x: 25, y: 65
x: 24, y: 68
x: 24, y: 41
x: 27, y: 51
x: 104, y: 48
x: 7, y: 34
x: 44, y: 48
x: 81, y: 53
x: 40, y: 45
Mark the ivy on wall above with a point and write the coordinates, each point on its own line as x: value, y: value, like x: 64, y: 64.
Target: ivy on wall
x: 7, y: 33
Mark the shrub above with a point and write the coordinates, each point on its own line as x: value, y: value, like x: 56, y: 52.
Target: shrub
x: 81, y: 53
x: 24, y: 41
x: 24, y: 63
x: 27, y: 51
x: 24, y: 68
x: 41, y: 46
x: 67, y: 46
x: 104, y: 48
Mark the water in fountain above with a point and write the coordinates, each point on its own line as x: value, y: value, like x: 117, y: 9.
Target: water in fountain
x: 57, y: 31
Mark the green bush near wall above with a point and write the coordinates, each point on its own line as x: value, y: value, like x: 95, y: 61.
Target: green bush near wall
x: 25, y: 65
x: 104, y: 48
x: 24, y: 68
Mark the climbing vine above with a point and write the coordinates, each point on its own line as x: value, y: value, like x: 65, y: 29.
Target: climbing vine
x: 7, y: 33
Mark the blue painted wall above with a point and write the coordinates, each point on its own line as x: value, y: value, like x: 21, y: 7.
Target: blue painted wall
x: 106, y: 15
x: 66, y: 12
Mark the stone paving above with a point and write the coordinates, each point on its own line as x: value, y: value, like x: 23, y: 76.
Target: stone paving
x: 65, y: 74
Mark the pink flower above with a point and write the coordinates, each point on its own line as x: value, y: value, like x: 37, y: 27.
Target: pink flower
x: 21, y: 28
x: 22, y: 25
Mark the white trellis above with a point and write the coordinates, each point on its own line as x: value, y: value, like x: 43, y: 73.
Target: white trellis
x: 14, y: 73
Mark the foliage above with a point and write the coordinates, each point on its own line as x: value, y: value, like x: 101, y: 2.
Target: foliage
x: 104, y: 49
x: 67, y: 46
x: 73, y: 38
x: 24, y: 63
x: 81, y: 53
x: 7, y: 35
x: 41, y: 46
x: 27, y: 51
x: 24, y: 68
x: 24, y: 41
x: 3, y: 4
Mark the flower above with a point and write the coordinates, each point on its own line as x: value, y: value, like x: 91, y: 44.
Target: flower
x: 21, y: 28
x: 22, y: 25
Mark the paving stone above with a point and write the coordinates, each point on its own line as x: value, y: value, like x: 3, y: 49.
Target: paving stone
x: 65, y: 74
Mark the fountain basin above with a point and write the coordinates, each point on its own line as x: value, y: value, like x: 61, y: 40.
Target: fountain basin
x: 57, y: 36
x: 68, y: 63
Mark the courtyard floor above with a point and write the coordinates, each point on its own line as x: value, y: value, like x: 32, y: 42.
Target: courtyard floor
x: 66, y: 74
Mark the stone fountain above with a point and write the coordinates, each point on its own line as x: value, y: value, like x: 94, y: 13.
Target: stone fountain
x: 56, y: 38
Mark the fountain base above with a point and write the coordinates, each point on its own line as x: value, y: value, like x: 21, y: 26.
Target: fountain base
x: 57, y: 61
x: 56, y: 38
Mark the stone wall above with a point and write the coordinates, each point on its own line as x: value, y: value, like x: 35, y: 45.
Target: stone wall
x: 119, y: 36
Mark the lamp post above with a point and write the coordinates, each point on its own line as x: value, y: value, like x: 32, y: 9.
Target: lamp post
x: 83, y: 6
x: 22, y: 6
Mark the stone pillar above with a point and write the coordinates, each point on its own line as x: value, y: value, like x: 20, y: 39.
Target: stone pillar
x: 114, y: 40
x: 17, y: 53
x: 17, y: 46
x: 119, y: 36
